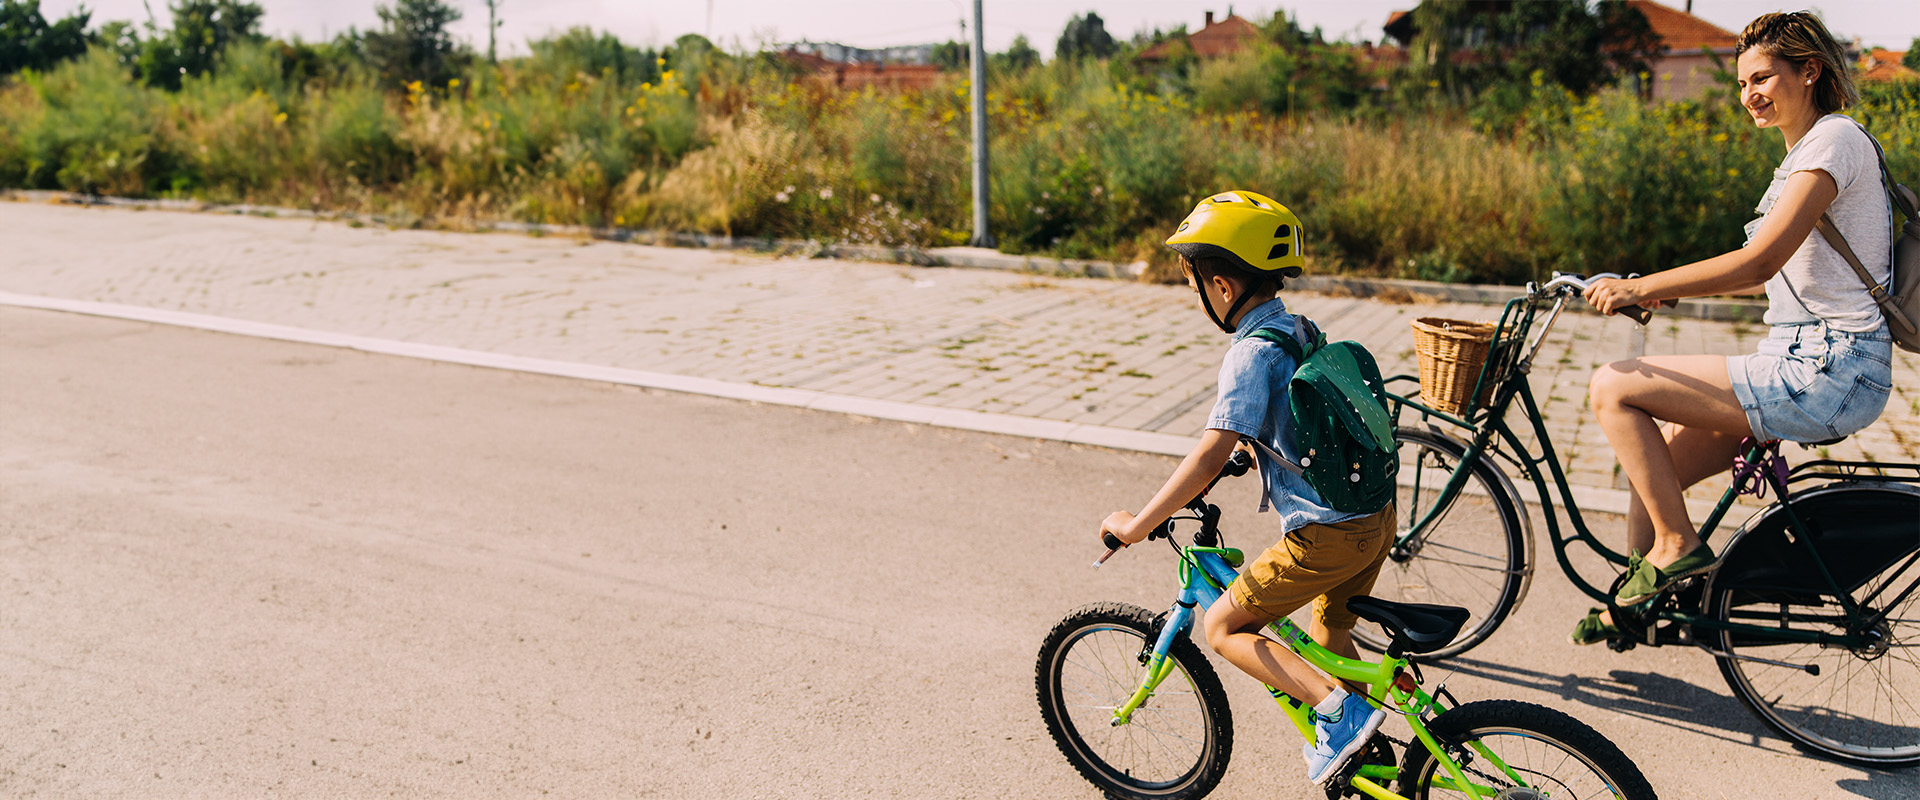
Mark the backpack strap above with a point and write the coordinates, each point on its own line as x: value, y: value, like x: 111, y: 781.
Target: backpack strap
x: 1894, y: 313
x: 1295, y: 347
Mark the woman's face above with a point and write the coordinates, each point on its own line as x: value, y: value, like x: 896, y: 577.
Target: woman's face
x: 1773, y: 90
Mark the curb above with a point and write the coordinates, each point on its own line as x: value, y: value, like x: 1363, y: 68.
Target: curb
x: 1389, y: 289
x: 981, y: 421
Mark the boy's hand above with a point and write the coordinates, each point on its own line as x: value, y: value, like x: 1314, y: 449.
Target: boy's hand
x: 1120, y: 524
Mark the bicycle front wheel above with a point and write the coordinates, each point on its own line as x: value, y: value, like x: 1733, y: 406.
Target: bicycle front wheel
x: 1473, y: 552
x: 1853, y: 704
x: 1176, y: 746
x: 1521, y: 750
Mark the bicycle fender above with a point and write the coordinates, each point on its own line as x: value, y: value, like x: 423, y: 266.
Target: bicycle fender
x: 1858, y: 529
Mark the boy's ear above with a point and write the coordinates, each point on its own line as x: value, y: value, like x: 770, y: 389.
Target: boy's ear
x: 1229, y: 288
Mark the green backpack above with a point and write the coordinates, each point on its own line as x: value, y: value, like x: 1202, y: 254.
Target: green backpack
x: 1340, y: 423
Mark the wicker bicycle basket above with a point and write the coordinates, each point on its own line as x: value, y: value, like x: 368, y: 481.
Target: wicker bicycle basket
x: 1451, y: 354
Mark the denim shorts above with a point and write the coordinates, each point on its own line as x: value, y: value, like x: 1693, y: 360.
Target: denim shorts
x: 1810, y: 383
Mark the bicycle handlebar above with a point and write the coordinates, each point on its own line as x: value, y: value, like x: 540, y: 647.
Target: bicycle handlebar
x: 1236, y: 466
x: 1562, y: 281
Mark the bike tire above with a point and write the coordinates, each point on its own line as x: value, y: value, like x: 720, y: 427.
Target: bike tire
x: 1476, y: 554
x: 1550, y: 751
x: 1175, y: 747
x: 1858, y: 709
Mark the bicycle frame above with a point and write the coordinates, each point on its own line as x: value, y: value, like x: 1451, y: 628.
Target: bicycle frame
x: 1506, y: 371
x: 1205, y: 572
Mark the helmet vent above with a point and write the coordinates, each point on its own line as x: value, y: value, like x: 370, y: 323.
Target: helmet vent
x: 1283, y: 232
x: 1278, y: 251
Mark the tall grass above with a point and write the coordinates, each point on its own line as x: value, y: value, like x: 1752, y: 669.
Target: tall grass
x: 1089, y: 159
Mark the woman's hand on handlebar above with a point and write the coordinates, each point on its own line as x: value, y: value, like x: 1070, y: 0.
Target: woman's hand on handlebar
x: 1615, y: 295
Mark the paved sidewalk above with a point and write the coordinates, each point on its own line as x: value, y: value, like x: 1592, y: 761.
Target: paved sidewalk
x: 1090, y: 351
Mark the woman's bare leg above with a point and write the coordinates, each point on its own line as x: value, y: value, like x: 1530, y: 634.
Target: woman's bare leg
x: 1697, y: 455
x: 1630, y: 398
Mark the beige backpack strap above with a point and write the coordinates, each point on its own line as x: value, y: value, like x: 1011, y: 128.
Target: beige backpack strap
x: 1887, y: 305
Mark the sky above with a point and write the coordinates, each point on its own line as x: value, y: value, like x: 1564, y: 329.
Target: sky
x: 747, y: 24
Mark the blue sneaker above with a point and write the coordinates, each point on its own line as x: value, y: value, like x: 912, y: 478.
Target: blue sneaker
x: 1336, y: 742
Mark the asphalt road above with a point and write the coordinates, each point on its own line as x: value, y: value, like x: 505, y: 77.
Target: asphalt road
x: 236, y: 568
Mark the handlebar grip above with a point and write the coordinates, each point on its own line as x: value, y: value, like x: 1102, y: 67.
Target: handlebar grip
x: 1638, y: 314
x: 1112, y: 542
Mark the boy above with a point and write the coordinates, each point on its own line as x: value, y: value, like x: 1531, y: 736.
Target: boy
x: 1236, y: 249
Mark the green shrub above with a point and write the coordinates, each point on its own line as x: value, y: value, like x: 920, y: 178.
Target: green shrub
x: 1639, y: 187
x: 94, y: 130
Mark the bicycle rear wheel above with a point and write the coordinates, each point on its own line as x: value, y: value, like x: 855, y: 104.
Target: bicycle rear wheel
x: 1530, y: 752
x: 1174, y: 747
x: 1860, y: 706
x: 1472, y: 555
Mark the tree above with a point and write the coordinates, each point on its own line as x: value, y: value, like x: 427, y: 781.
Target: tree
x: 1020, y: 55
x: 412, y: 43
x: 952, y: 55
x: 202, y: 30
x: 1085, y: 37
x: 1912, y: 58
x: 580, y: 50
x: 1469, y: 49
x: 28, y: 42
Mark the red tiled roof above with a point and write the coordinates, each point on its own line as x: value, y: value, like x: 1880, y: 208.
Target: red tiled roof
x: 1230, y: 35
x: 1681, y: 31
x: 1881, y: 65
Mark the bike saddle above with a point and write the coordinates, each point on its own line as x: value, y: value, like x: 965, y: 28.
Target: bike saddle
x: 1415, y: 627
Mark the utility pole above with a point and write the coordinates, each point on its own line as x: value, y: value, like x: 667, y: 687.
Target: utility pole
x: 493, y: 24
x: 980, y: 236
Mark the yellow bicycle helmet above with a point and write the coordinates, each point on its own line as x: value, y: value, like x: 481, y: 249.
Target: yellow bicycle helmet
x: 1251, y: 232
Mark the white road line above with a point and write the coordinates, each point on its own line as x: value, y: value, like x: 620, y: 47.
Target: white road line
x: 1116, y: 438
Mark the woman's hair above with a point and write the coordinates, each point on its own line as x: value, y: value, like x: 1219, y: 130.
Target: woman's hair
x: 1800, y: 37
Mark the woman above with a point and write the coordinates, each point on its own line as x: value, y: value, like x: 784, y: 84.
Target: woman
x: 1824, y: 370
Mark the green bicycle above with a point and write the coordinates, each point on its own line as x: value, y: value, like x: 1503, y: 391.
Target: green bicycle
x: 1813, y: 613
x: 1138, y: 710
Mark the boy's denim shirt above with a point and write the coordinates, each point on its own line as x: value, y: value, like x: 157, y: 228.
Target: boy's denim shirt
x: 1253, y: 402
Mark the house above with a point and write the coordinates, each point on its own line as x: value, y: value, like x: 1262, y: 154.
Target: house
x: 841, y: 67
x: 1690, y: 46
x: 1880, y: 65
x: 1214, y: 39
x: 1685, y: 68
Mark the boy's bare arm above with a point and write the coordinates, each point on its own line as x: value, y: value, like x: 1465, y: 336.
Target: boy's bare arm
x: 1199, y: 467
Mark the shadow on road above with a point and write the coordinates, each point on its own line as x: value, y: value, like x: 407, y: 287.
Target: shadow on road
x: 1656, y: 698
x: 1882, y: 785
x: 1679, y: 704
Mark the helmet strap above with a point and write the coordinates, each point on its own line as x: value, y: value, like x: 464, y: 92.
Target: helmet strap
x: 1238, y: 303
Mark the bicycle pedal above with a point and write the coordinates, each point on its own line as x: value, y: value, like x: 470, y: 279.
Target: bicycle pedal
x: 1621, y: 645
x: 1376, y: 753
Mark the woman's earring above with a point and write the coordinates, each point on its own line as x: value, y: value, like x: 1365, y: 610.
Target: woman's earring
x: 1809, y: 81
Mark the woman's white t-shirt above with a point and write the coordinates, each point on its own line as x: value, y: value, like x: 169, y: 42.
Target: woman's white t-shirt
x: 1817, y: 284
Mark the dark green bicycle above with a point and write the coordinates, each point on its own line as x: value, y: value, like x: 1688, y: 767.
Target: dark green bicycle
x: 1813, y: 613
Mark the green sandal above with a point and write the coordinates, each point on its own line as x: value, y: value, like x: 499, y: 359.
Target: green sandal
x: 1592, y: 630
x: 1645, y: 581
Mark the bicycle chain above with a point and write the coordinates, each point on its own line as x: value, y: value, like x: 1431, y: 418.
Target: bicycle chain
x: 1495, y: 780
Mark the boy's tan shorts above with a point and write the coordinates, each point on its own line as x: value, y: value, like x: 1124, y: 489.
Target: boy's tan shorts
x: 1323, y: 563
